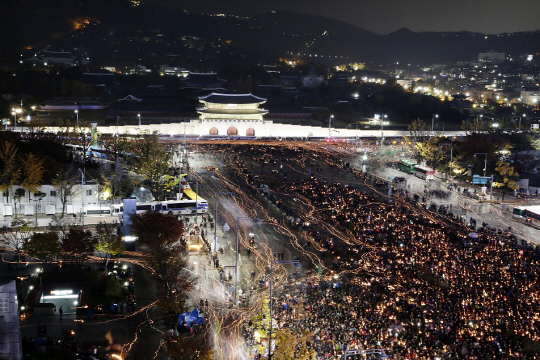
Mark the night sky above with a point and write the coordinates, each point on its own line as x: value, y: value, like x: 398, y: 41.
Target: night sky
x: 385, y: 16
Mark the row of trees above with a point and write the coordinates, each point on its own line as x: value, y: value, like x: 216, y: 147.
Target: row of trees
x: 145, y: 156
x: 26, y: 164
x: 62, y: 240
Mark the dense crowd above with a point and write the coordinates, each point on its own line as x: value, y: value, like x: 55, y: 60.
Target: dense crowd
x: 413, y: 283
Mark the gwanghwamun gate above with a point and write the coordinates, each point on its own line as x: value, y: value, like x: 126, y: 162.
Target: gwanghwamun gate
x: 231, y: 116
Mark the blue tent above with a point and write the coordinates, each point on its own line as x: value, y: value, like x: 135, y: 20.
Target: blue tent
x: 191, y: 317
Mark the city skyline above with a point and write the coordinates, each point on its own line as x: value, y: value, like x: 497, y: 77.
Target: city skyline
x: 386, y: 16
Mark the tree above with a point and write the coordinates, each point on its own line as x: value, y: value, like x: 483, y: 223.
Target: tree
x: 158, y: 232
x: 19, y: 232
x: 80, y: 135
x: 194, y: 347
x: 79, y: 244
x: 432, y: 151
x: 418, y: 131
x: 508, y: 175
x: 113, y: 289
x: 108, y: 242
x: 159, y: 235
x: 44, y: 246
x: 32, y: 172
x: 17, y: 197
x: 151, y: 162
x: 65, y: 184
x: 477, y: 125
x: 10, y: 167
x: 293, y: 345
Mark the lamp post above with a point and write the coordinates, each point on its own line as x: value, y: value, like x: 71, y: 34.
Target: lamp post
x: 285, y: 262
x: 330, y: 126
x: 37, y: 198
x: 451, y: 153
x: 14, y: 112
x: 485, y: 161
x: 522, y: 116
x: 433, y: 121
x: 383, y: 122
x: 83, y: 190
x: 380, y: 352
x: 236, y: 255
x: 215, y: 218
x: 139, y: 116
x: 77, y: 113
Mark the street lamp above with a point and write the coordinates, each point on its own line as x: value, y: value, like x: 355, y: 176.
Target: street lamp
x: 451, y: 153
x: 522, y: 116
x: 330, y: 126
x: 284, y: 262
x: 83, y: 190
x: 485, y: 161
x: 432, y: 121
x: 215, y: 219
x: 380, y: 352
x: 139, y: 116
x: 14, y: 112
x: 383, y: 122
x: 236, y: 260
x: 77, y: 113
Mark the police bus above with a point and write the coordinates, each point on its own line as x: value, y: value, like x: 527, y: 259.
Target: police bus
x: 406, y: 166
x: 170, y: 207
x: 424, y: 172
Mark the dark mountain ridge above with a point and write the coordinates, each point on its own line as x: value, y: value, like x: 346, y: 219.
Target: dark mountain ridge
x: 117, y: 30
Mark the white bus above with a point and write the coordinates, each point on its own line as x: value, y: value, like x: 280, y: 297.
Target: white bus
x: 96, y: 210
x: 424, y: 172
x: 171, y: 207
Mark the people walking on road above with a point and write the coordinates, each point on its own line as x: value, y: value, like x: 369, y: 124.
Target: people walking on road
x: 61, y: 311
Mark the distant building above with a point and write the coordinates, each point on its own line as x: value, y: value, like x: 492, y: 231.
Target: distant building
x: 204, y: 81
x: 271, y: 69
x: 405, y: 83
x: 491, y: 56
x: 530, y: 97
x: 58, y: 58
x: 289, y: 78
x: 527, y: 77
x: 173, y: 70
x: 313, y: 79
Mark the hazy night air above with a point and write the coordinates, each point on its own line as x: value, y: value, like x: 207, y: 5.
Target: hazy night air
x: 385, y: 16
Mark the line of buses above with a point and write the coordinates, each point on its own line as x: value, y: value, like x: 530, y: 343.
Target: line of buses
x: 170, y: 207
x: 420, y: 171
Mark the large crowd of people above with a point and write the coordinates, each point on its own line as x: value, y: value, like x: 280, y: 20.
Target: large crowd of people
x: 415, y: 282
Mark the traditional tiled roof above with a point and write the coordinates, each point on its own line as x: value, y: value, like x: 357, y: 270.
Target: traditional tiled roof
x: 232, y: 99
x: 57, y: 54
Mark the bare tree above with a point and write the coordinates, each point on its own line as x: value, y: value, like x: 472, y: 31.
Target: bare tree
x: 14, y: 238
x: 66, y: 186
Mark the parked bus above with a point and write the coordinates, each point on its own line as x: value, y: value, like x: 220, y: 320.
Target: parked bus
x: 424, y: 172
x: 171, y: 207
x: 96, y: 210
x: 529, y: 214
x: 406, y: 166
